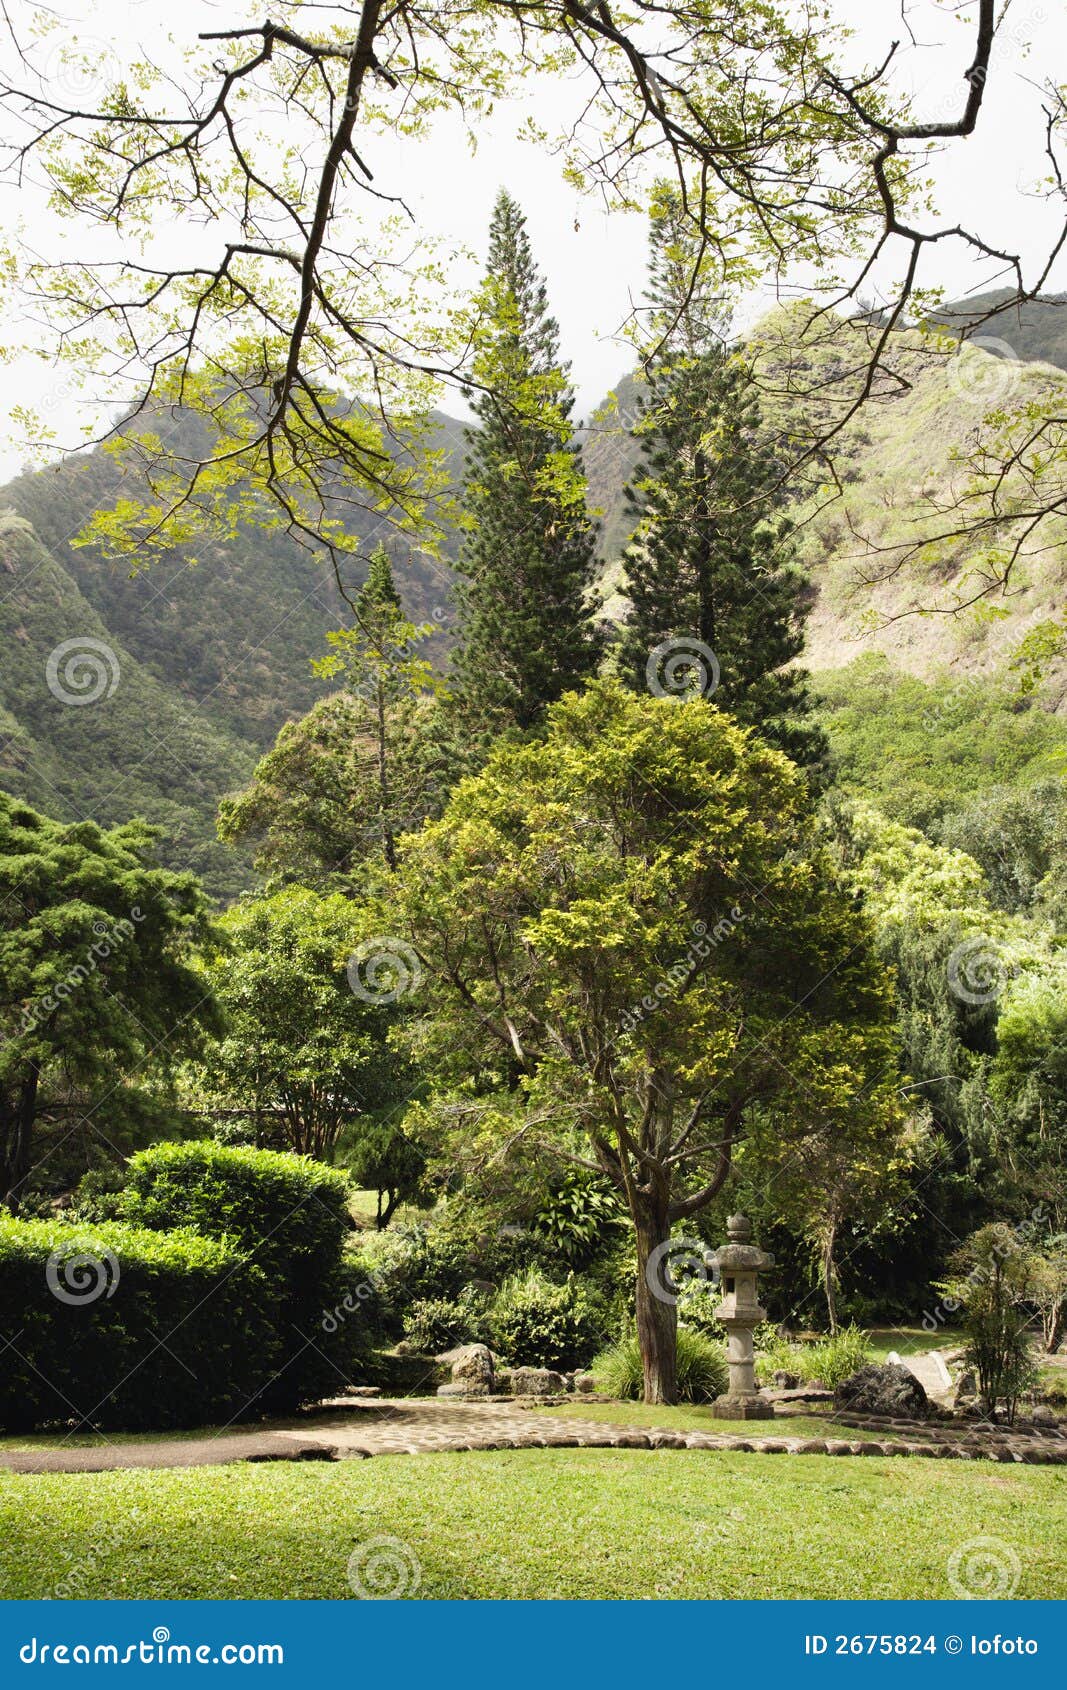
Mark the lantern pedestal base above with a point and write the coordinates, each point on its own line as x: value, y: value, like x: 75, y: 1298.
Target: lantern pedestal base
x: 742, y: 1408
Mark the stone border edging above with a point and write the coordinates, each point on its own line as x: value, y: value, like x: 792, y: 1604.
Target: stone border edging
x: 411, y: 1426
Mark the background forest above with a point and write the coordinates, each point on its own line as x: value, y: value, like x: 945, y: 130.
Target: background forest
x: 361, y: 782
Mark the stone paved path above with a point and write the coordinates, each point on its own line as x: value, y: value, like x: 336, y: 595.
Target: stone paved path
x: 930, y: 1370
x: 415, y: 1426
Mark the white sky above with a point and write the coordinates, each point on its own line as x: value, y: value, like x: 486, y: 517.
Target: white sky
x: 594, y: 261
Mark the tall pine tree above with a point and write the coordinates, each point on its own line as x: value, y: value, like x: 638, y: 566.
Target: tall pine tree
x: 717, y: 601
x: 527, y: 564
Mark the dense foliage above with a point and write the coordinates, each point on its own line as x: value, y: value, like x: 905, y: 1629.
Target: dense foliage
x: 701, y: 1368
x: 305, y: 1055
x: 118, y: 1326
x: 631, y: 938
x: 99, y: 983
x: 289, y: 1216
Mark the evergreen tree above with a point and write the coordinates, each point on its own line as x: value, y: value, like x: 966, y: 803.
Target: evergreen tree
x: 717, y: 602
x: 363, y: 766
x: 528, y: 560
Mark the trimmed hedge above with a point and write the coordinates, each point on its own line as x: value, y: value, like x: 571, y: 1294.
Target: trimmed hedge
x: 290, y: 1215
x: 290, y: 1211
x: 116, y: 1326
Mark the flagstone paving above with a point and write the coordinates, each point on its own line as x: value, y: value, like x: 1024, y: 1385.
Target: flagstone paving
x: 344, y: 1429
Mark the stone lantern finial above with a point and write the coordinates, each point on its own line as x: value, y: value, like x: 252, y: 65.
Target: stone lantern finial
x: 740, y: 1263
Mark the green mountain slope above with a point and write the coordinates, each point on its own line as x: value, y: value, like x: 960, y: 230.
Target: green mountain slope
x: 233, y: 634
x: 1034, y: 333
x: 88, y: 733
x: 214, y: 658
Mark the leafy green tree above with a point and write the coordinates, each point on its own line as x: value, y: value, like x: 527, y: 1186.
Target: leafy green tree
x: 388, y: 1161
x: 378, y: 658
x: 363, y: 766
x: 715, y: 600
x: 99, y: 985
x: 305, y: 1053
x: 1028, y: 1084
x: 527, y: 564
x: 1015, y: 835
x: 993, y: 1278
x: 628, y: 935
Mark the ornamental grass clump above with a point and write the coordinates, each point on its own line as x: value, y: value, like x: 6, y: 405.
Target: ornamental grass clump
x: 702, y: 1373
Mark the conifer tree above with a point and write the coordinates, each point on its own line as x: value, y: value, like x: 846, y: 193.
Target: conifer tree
x: 363, y: 766
x: 527, y: 563
x: 718, y: 605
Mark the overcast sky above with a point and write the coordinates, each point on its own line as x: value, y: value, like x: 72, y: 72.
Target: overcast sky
x: 594, y: 261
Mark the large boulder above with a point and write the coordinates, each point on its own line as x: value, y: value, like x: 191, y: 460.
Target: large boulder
x: 472, y: 1368
x: 883, y: 1388
x: 537, y: 1382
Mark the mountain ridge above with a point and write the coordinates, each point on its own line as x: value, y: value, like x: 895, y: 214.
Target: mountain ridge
x: 214, y: 657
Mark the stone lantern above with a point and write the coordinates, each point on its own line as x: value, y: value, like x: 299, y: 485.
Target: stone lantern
x: 740, y: 1263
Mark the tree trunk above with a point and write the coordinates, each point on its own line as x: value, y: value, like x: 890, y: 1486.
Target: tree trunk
x: 657, y: 1315
x: 18, y: 1111
x: 1053, y: 1325
x: 383, y: 785
x: 829, y: 1276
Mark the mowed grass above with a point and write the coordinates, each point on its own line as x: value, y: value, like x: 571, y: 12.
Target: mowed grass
x: 912, y: 1340
x: 697, y: 1417
x: 532, y: 1523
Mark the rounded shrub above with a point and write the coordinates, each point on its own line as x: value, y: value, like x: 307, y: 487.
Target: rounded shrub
x: 116, y: 1326
x: 534, y: 1323
x: 289, y: 1216
x: 702, y: 1371
x: 437, y: 1323
x: 290, y: 1211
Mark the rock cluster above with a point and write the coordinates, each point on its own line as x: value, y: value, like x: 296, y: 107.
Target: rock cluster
x: 475, y: 1373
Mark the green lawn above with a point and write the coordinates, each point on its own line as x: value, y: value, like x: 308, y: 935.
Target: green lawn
x: 690, y: 1417
x: 532, y: 1523
x: 912, y: 1340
